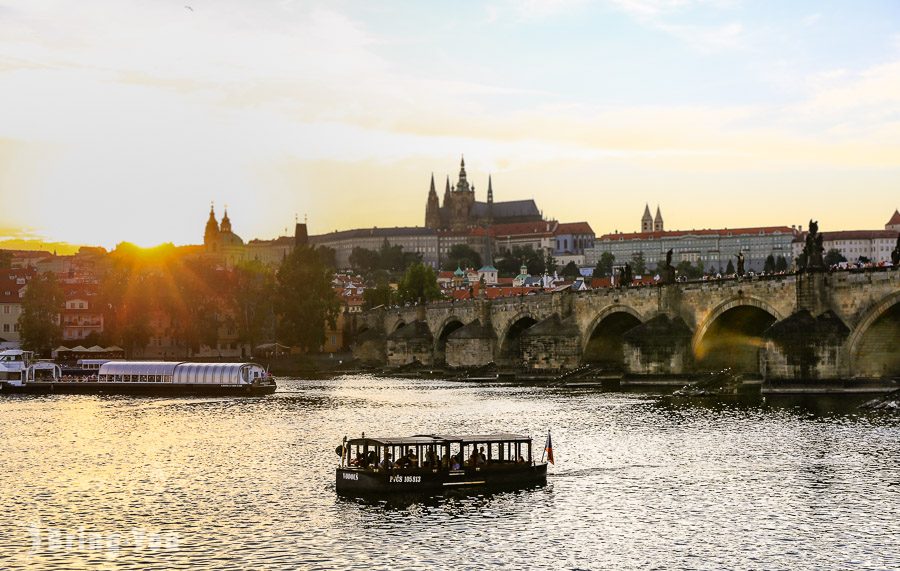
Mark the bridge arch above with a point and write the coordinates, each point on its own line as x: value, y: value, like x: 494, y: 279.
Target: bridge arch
x: 395, y: 325
x: 509, y: 352
x: 880, y: 320
x: 730, y: 336
x: 602, y: 340
x: 448, y: 326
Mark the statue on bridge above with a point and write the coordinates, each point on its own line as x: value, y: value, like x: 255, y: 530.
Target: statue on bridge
x: 625, y: 275
x: 895, y: 254
x: 813, y: 250
x: 667, y: 274
x: 740, y: 264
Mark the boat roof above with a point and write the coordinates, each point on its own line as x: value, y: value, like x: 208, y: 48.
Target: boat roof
x: 167, y: 367
x: 440, y: 439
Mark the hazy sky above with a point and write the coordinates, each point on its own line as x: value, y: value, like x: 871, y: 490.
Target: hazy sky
x: 123, y: 119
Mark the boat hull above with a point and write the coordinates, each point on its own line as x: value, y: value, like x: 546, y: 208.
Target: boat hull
x: 150, y: 389
x: 354, y: 481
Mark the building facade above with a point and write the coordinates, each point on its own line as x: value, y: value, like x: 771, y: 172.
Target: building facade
x: 12, y: 289
x: 80, y: 316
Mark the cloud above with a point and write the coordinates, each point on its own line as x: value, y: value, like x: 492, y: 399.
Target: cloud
x: 663, y: 15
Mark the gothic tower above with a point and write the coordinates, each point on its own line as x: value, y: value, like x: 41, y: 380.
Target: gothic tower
x: 211, y: 234
x: 462, y: 185
x: 490, y: 201
x: 658, y: 221
x: 433, y: 208
x: 447, y: 193
x: 461, y: 201
x: 647, y: 220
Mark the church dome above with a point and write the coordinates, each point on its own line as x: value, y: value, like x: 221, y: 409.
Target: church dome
x: 229, y: 239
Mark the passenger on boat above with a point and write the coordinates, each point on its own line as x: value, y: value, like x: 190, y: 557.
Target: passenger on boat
x: 454, y: 463
x: 482, y: 458
x: 386, y: 462
x: 407, y: 461
x: 520, y: 460
x: 474, y: 458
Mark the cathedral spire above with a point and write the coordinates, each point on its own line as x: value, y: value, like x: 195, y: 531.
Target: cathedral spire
x: 490, y: 191
x: 463, y: 184
x: 432, y: 208
x: 447, y: 192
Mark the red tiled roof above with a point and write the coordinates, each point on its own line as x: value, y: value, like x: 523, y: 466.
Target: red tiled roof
x: 857, y: 235
x: 574, y: 228
x: 492, y: 292
x: 895, y: 219
x: 523, y: 228
x: 7, y: 285
x: 717, y: 232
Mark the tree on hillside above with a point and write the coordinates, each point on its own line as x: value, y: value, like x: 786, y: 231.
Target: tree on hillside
x: 328, y: 256
x: 834, y: 257
x: 605, y: 265
x: 378, y: 295
x: 781, y: 264
x: 769, y: 264
x: 509, y: 263
x: 689, y: 270
x: 253, y: 285
x: 419, y: 284
x: 39, y: 326
x: 549, y: 264
x: 571, y: 271
x: 638, y: 265
x: 462, y: 256
x: 363, y: 260
x: 729, y: 269
x: 304, y: 300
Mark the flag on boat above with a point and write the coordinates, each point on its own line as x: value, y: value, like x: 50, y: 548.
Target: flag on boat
x: 549, y: 449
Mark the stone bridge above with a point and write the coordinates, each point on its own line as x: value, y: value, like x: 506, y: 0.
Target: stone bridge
x: 840, y: 325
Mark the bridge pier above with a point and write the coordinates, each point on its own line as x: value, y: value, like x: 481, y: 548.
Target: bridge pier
x: 552, y: 344
x: 661, y: 346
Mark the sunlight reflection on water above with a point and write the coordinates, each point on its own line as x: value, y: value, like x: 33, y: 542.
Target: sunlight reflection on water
x: 640, y: 482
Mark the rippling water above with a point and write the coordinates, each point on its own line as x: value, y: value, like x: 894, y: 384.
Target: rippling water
x: 640, y: 482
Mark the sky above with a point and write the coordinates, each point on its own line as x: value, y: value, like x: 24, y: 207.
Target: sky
x: 122, y: 120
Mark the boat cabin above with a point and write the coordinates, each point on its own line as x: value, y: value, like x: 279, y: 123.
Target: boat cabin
x: 92, y: 364
x: 438, y: 452
x: 434, y: 462
x: 13, y: 363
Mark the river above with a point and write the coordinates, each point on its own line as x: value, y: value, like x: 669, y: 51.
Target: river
x: 641, y: 481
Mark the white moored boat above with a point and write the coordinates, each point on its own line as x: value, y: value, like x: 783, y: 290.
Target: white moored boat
x: 146, y: 377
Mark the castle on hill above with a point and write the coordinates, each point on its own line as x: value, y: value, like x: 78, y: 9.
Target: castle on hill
x: 460, y: 211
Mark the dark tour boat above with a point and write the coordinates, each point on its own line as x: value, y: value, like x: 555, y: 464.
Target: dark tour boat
x: 433, y: 463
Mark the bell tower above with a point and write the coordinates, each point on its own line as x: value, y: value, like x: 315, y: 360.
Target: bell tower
x: 211, y: 234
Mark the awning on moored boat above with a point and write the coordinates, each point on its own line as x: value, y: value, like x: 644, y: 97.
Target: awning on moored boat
x: 165, y: 368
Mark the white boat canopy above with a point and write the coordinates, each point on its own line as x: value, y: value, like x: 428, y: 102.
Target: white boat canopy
x: 165, y: 368
x: 218, y: 373
x: 182, y: 373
